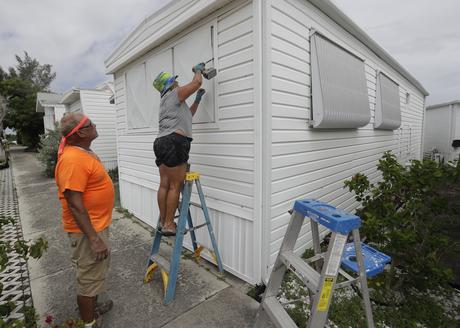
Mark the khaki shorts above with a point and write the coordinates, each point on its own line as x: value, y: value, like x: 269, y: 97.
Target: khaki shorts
x: 91, y: 274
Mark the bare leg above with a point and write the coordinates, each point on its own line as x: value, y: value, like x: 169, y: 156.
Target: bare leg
x: 163, y: 193
x: 176, y: 176
x: 86, y: 306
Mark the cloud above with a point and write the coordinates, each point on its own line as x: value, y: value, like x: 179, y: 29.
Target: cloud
x: 73, y: 36
x: 422, y: 35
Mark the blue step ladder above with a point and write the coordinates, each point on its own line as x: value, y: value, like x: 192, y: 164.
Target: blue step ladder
x: 319, y: 273
x: 169, y: 271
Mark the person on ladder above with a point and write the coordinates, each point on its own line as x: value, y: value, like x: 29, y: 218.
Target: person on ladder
x: 172, y: 145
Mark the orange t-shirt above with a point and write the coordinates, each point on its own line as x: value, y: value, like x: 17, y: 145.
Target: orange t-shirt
x: 81, y: 171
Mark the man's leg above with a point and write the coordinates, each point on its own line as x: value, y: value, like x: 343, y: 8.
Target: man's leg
x: 163, y: 193
x: 86, y: 306
x: 176, y: 176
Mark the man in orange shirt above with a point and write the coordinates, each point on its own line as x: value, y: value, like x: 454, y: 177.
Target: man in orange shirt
x: 87, y: 198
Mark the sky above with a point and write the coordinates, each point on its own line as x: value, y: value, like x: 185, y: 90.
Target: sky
x: 77, y: 36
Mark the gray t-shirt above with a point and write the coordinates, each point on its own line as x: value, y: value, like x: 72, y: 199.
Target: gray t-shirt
x: 174, y: 115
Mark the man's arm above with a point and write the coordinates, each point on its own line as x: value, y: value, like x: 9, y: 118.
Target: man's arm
x: 195, y: 104
x: 187, y: 90
x: 81, y: 217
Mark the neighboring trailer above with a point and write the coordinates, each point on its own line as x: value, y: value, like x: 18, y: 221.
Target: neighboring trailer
x: 95, y: 103
x: 442, y: 131
x: 49, y: 104
x: 261, y: 139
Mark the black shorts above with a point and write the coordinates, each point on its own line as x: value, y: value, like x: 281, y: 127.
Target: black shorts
x: 172, y: 150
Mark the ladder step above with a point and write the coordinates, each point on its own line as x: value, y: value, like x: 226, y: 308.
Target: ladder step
x: 163, y: 263
x: 277, y: 313
x: 196, y: 205
x: 300, y: 268
x: 190, y: 203
x: 196, y: 227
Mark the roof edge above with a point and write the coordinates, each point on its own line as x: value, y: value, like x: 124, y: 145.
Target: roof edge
x: 198, y: 9
x: 453, y: 102
x: 333, y: 12
x: 70, y: 96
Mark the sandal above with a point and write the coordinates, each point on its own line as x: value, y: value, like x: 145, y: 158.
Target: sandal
x: 169, y: 232
x: 104, y: 307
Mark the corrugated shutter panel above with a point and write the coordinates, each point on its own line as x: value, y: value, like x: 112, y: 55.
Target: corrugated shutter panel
x: 136, y: 96
x: 196, y: 47
x: 388, y: 107
x: 162, y: 62
x: 339, y: 89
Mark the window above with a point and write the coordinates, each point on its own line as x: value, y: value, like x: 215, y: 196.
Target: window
x: 339, y: 88
x: 195, y: 47
x: 388, y: 108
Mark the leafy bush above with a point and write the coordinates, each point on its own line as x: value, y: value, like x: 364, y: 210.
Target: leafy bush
x: 47, y: 154
x: 113, y: 173
x: 403, y: 215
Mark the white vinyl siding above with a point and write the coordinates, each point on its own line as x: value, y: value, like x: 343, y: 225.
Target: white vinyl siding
x: 340, y: 98
x: 312, y: 163
x: 259, y: 153
x: 388, y: 104
x: 59, y: 111
x: 441, y: 128
x: 75, y: 107
x: 96, y: 106
x: 223, y: 154
x: 48, y: 119
x: 456, y: 122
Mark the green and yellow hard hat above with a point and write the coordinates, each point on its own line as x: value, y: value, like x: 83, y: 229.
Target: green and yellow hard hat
x: 163, y: 82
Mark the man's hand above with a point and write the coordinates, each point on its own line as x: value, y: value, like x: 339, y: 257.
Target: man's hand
x: 99, y: 248
x: 198, y: 68
x: 199, y: 94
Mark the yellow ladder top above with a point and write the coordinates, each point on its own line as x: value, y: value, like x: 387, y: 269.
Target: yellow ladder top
x: 190, y: 176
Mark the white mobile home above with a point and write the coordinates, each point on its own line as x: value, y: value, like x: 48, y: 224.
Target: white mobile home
x: 442, y: 130
x: 97, y: 105
x: 303, y: 100
x: 49, y: 104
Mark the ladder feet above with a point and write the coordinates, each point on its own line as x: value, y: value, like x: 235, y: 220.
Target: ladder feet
x: 149, y: 273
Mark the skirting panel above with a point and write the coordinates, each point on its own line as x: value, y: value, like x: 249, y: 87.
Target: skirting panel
x: 234, y: 235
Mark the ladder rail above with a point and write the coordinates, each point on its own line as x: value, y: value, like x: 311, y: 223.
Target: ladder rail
x: 170, y: 269
x: 208, y: 222
x: 321, y: 282
x: 177, y: 249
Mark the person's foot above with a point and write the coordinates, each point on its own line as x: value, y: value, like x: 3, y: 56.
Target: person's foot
x: 104, y: 307
x: 97, y: 323
x: 169, y: 229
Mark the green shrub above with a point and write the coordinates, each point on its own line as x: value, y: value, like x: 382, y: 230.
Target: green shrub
x: 47, y: 154
x: 113, y: 173
x: 403, y: 215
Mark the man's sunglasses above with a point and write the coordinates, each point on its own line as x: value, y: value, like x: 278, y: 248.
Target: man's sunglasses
x: 88, y: 125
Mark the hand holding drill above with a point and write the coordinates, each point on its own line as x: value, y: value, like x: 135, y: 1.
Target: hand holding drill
x: 208, y: 73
